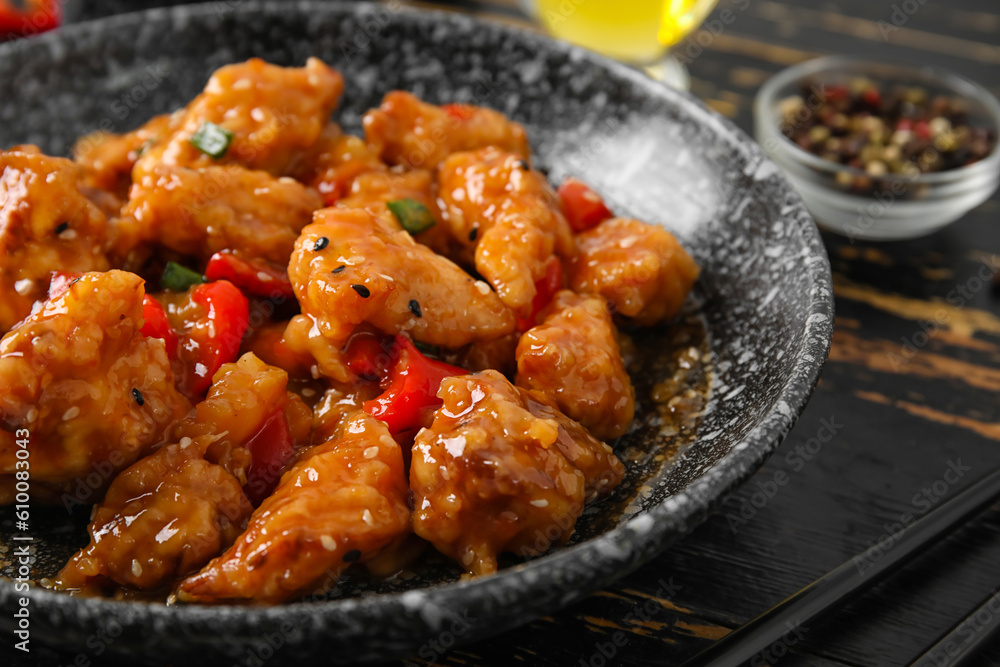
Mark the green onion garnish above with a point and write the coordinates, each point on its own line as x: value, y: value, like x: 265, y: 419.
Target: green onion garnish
x: 212, y: 139
x: 179, y: 278
x: 412, y: 215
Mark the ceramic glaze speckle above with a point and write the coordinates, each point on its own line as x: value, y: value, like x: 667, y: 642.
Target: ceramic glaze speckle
x: 656, y: 154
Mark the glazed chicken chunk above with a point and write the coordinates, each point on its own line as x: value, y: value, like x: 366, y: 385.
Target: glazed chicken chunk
x: 106, y: 160
x: 94, y: 392
x: 501, y: 469
x: 350, y: 267
x: 345, y: 501
x: 198, y: 212
x: 406, y: 131
x: 640, y: 268
x: 167, y: 515
x: 334, y: 161
x: 506, y: 216
x: 373, y: 190
x: 173, y: 511
x: 573, y: 358
x: 273, y: 113
x: 46, y: 225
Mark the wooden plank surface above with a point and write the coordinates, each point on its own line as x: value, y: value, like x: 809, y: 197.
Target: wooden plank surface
x: 909, y: 406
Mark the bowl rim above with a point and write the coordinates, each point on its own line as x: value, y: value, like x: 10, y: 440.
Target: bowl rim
x: 766, y: 99
x: 605, y: 557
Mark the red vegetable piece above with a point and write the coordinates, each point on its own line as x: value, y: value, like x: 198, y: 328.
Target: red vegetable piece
x: 38, y: 16
x: 370, y: 355
x: 253, y: 277
x: 271, y: 450
x: 412, y: 389
x: 229, y: 312
x: 156, y: 325
x: 545, y: 290
x: 582, y: 207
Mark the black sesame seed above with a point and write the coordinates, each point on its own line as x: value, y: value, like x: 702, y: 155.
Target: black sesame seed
x: 137, y: 395
x: 473, y: 233
x: 339, y: 268
x: 61, y: 227
x: 352, y: 556
x: 362, y: 291
x: 321, y: 243
x: 415, y: 308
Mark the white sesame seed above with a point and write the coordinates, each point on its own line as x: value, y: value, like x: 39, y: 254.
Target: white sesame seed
x: 68, y: 235
x: 24, y: 287
x: 72, y: 413
x: 483, y: 288
x: 263, y: 276
x: 136, y: 568
x: 243, y: 84
x: 366, y: 516
x: 185, y: 442
x: 328, y: 542
x: 371, y: 452
x: 540, y: 503
x: 308, y: 393
x: 31, y: 415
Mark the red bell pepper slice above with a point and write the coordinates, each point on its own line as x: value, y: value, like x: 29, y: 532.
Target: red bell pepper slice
x: 410, y: 389
x: 271, y: 450
x: 228, y: 313
x: 253, y: 277
x: 545, y: 289
x: 156, y: 325
x: 583, y: 208
x: 370, y: 355
x: 38, y: 16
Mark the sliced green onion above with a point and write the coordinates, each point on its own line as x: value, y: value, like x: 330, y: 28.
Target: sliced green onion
x: 212, y: 139
x: 412, y: 215
x: 179, y: 278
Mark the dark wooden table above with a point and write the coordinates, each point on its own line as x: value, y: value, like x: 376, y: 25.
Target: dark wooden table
x: 911, y: 406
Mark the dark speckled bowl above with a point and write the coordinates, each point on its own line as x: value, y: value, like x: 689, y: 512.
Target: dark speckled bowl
x: 654, y: 153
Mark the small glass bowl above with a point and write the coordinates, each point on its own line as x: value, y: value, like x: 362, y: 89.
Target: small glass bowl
x: 851, y: 201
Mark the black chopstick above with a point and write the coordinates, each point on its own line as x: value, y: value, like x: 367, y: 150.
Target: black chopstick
x: 776, y: 627
x: 966, y: 638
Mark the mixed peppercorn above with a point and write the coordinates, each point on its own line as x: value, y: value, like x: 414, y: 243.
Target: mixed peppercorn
x: 898, y: 130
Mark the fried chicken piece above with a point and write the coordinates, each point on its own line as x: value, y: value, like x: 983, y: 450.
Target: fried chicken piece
x: 94, y: 392
x: 573, y: 358
x: 334, y: 161
x: 340, y: 401
x: 164, y: 517
x: 173, y: 511
x: 46, y: 225
x: 244, y: 395
x: 345, y: 501
x: 406, y: 131
x: 350, y: 267
x: 200, y: 212
x: 106, y: 159
x: 274, y: 114
x: 371, y: 191
x: 505, y: 215
x: 501, y: 469
x: 640, y: 268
